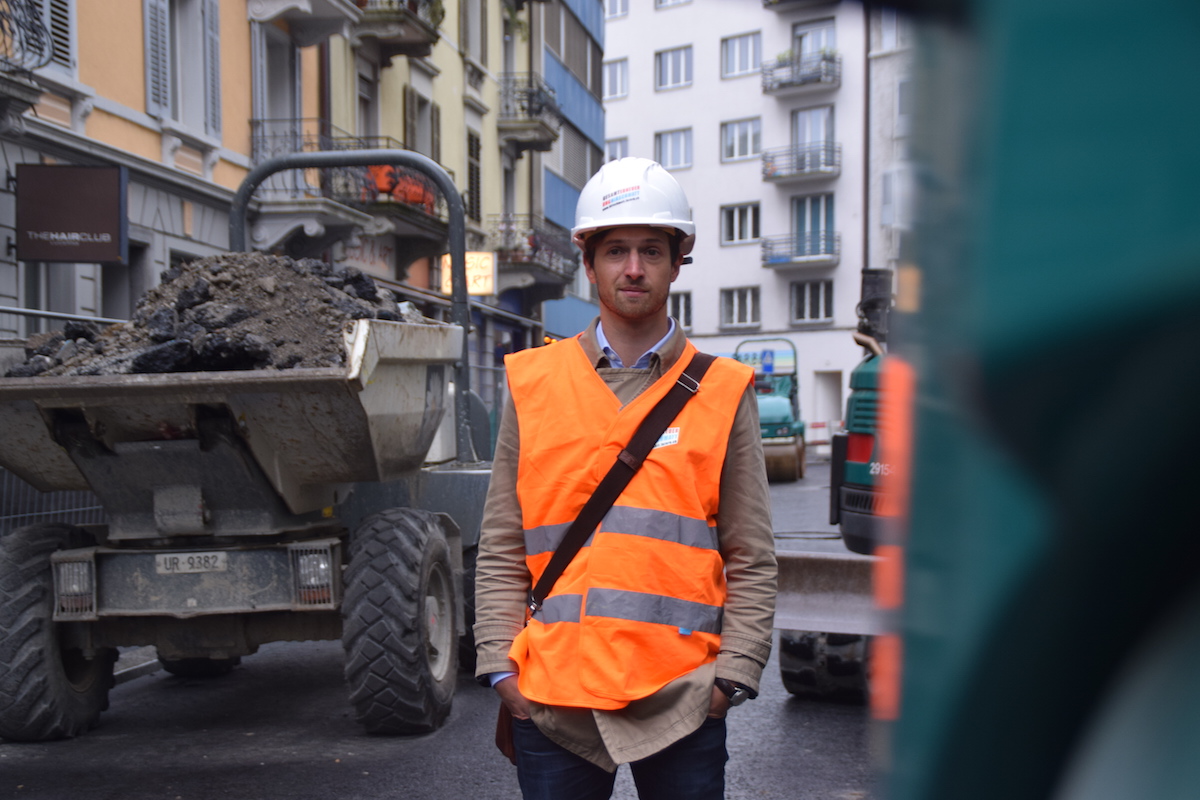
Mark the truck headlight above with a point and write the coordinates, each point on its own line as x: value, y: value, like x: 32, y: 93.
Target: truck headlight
x: 74, y: 589
x: 315, y: 573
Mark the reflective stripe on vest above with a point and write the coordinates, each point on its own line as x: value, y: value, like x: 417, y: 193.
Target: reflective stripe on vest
x: 641, y: 603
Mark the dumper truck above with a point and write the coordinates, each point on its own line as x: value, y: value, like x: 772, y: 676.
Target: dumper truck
x: 247, y: 507
x: 777, y: 389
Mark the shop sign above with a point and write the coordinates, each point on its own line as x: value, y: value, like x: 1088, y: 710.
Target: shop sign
x: 71, y: 213
x: 481, y: 273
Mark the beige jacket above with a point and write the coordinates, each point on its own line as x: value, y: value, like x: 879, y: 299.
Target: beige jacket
x: 646, y: 726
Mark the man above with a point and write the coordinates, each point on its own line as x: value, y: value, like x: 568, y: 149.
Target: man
x: 664, y: 618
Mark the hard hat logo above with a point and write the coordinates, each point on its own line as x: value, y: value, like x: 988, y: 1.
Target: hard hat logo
x: 620, y: 196
x: 633, y: 191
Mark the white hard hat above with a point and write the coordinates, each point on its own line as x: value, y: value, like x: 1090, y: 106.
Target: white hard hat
x: 633, y: 191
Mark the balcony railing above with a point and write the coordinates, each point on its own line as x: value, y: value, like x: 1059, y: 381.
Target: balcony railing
x: 527, y: 239
x: 352, y: 186
x: 529, y: 113
x: 791, y: 74
x: 25, y: 42
x: 401, y: 27
x: 802, y: 162
x: 808, y: 249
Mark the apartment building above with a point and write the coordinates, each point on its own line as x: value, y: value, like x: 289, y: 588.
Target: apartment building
x: 760, y: 109
x: 174, y: 101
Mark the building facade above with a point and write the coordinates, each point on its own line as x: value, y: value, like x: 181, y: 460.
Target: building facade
x: 760, y: 109
x: 187, y: 96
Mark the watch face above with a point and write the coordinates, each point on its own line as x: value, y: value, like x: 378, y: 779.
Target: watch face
x: 738, y: 697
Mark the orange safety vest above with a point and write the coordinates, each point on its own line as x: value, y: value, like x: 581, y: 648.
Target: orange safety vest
x: 641, y: 604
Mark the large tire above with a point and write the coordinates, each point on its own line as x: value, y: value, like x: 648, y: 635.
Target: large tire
x: 398, y: 623
x: 824, y: 666
x: 47, y: 691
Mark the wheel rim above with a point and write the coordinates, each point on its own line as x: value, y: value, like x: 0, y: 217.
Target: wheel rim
x: 438, y: 620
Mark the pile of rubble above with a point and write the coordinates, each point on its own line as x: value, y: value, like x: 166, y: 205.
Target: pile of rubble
x: 234, y: 311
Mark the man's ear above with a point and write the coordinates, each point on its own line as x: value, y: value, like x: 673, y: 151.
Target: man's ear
x: 587, y: 268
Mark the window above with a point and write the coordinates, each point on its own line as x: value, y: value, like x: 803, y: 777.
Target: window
x: 615, y: 8
x: 895, y: 188
x: 741, y: 139
x: 679, y: 306
x: 474, y: 203
x: 183, y: 69
x: 616, y: 78
x: 812, y: 301
x: 903, y: 108
x: 665, y: 3
x: 741, y: 55
x: 739, y: 307
x: 368, y: 98
x: 673, y: 149
x: 473, y: 33
x: 813, y: 226
x: 422, y: 124
x: 811, y: 38
x: 569, y: 39
x: 739, y: 223
x: 615, y: 148
x: 673, y: 68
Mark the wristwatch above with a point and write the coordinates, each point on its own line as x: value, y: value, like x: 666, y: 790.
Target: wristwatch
x: 736, y: 693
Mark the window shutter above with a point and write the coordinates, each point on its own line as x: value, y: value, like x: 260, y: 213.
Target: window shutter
x: 158, y: 58
x: 212, y: 67
x: 58, y: 20
x: 435, y: 132
x: 410, y: 118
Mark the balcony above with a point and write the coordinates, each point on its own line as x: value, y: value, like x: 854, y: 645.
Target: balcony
x: 799, y: 163
x: 310, y: 22
x: 532, y: 251
x: 529, y: 116
x: 806, y: 250
x: 304, y: 211
x: 790, y: 75
x: 400, y: 27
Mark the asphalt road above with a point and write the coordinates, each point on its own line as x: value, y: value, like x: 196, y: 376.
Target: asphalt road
x: 280, y: 726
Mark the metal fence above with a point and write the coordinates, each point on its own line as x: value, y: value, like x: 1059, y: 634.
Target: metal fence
x: 21, y: 505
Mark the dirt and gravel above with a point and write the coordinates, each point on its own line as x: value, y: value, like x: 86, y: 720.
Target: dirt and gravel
x: 233, y: 311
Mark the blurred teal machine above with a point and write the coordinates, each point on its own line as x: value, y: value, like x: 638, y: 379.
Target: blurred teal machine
x: 1051, y: 616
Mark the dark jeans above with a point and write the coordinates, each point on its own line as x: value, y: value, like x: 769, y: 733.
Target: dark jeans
x: 691, y: 769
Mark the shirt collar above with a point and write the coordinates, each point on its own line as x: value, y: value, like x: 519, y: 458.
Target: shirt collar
x: 643, y: 362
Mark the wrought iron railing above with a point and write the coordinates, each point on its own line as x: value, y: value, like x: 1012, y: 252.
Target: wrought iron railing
x: 431, y: 12
x: 25, y: 42
x: 353, y: 186
x: 823, y: 247
x: 526, y: 96
x: 791, y: 71
x: 800, y: 160
x: 529, y: 239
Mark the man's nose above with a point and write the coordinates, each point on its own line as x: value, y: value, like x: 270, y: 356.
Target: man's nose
x: 633, y: 265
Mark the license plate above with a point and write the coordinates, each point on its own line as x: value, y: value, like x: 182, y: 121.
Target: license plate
x: 186, y: 563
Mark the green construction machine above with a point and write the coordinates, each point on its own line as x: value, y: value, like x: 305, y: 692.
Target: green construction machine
x: 777, y: 387
x: 1045, y: 632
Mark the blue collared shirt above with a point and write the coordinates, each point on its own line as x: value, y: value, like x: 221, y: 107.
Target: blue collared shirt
x: 641, y: 363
